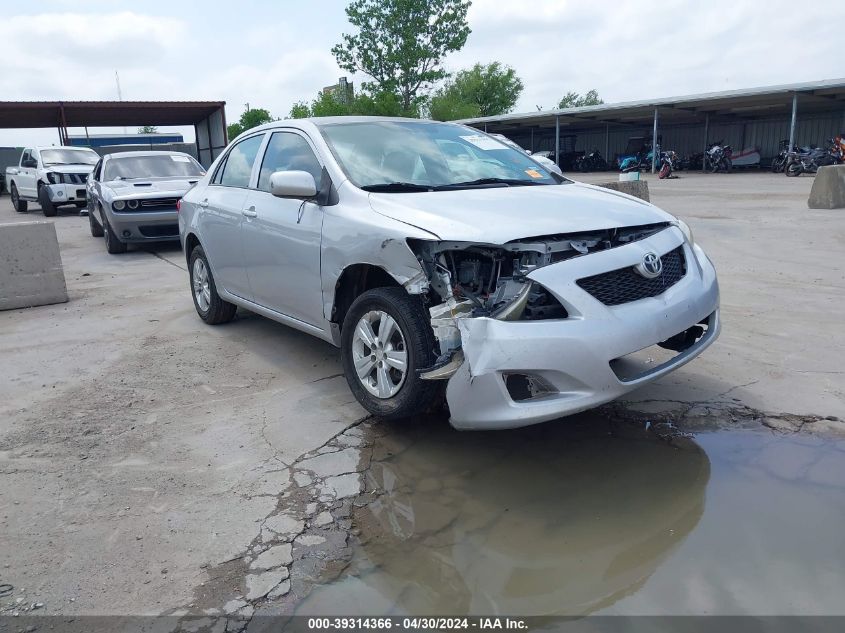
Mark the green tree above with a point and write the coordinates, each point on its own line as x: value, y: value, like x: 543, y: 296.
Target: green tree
x: 299, y: 110
x: 449, y: 107
x: 483, y: 90
x: 327, y: 104
x: 147, y: 129
x: 574, y: 100
x: 401, y: 44
x: 249, y: 119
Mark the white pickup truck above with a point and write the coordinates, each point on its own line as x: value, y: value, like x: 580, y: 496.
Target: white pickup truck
x: 52, y: 176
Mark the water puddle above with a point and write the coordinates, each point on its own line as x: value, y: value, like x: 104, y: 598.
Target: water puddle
x: 594, y: 516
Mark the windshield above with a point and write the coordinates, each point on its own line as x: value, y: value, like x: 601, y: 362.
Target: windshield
x: 161, y: 166
x: 413, y: 155
x: 69, y: 157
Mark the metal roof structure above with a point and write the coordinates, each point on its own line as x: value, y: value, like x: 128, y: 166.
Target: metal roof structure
x: 30, y: 114
x: 729, y: 105
x: 207, y: 117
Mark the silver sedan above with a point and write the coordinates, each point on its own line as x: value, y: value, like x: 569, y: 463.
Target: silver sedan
x: 442, y: 261
x: 133, y: 196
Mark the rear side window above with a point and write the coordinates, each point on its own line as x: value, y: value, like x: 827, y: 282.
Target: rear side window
x: 287, y: 151
x: 238, y: 167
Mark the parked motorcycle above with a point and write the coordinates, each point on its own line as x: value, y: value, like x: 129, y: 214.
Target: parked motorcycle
x: 668, y: 160
x: 593, y: 161
x: 779, y: 161
x: 808, y: 160
x: 718, y: 158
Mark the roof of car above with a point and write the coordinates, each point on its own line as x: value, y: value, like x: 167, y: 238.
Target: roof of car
x: 143, y: 153
x: 43, y: 147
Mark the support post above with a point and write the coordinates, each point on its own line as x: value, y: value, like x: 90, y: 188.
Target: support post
x: 792, y: 122
x: 706, y: 139
x: 607, y: 142
x: 557, y: 140
x: 485, y: 128
x: 654, y: 144
x: 531, y: 147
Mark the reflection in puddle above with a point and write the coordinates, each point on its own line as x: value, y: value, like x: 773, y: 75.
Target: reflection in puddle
x: 594, y: 516
x: 557, y: 519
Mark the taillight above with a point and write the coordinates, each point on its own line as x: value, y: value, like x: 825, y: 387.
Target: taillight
x: 178, y: 205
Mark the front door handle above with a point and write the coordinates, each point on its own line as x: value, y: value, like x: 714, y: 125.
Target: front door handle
x: 250, y: 213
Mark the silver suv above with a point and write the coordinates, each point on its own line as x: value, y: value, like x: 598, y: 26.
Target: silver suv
x: 440, y: 260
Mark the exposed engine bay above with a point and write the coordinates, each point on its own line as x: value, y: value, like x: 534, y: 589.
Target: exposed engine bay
x: 487, y: 280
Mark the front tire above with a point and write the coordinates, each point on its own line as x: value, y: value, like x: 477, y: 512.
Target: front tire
x: 385, y: 339
x: 794, y: 169
x: 113, y: 245
x: 210, y: 307
x: 19, y: 205
x: 96, y: 227
x: 47, y: 207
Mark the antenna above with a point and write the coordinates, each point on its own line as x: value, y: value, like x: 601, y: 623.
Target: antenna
x: 119, y: 93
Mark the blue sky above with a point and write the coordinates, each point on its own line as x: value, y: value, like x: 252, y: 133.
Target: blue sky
x: 271, y: 54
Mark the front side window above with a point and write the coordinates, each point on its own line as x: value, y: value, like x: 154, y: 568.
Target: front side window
x: 25, y: 158
x: 160, y: 166
x: 65, y: 156
x: 287, y: 151
x: 97, y: 169
x: 422, y: 155
x: 238, y: 168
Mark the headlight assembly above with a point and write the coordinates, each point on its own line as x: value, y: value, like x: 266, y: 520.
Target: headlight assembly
x: 118, y: 205
x: 686, y: 230
x: 132, y: 204
x: 54, y: 178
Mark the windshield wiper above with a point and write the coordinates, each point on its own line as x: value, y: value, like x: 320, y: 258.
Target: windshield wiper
x: 396, y: 187
x: 508, y: 182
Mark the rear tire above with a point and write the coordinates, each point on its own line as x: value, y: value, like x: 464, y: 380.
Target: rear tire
x: 402, y: 336
x: 19, y: 205
x: 210, y: 307
x: 47, y: 207
x: 113, y: 245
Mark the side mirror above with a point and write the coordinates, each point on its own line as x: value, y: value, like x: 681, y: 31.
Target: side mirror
x: 293, y: 184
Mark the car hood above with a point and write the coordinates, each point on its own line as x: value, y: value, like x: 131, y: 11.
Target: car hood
x: 70, y: 169
x: 140, y: 186
x: 501, y: 214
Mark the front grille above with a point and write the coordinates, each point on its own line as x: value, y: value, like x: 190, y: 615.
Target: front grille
x: 75, y: 179
x: 159, y: 230
x: 626, y: 284
x: 158, y: 203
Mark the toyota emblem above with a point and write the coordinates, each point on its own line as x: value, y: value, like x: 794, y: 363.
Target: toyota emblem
x: 651, y: 266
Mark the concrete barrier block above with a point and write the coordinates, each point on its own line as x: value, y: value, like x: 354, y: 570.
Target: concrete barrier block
x: 638, y: 188
x: 31, y: 272
x: 828, y: 190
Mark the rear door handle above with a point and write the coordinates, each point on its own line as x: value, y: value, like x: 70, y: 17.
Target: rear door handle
x: 204, y: 203
x: 250, y: 213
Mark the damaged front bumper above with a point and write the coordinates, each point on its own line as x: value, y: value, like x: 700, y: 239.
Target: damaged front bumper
x: 568, y: 364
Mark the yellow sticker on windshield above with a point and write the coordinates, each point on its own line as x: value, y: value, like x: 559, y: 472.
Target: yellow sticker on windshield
x: 533, y: 173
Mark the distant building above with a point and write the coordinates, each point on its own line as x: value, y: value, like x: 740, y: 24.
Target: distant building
x: 343, y: 89
x: 102, y: 140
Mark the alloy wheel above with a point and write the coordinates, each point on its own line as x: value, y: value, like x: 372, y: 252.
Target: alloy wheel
x: 379, y: 354
x: 202, y: 288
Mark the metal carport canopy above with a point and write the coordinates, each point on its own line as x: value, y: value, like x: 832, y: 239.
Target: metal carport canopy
x: 207, y: 117
x: 731, y: 105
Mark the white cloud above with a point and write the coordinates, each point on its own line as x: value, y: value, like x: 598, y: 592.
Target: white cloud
x: 281, y: 54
